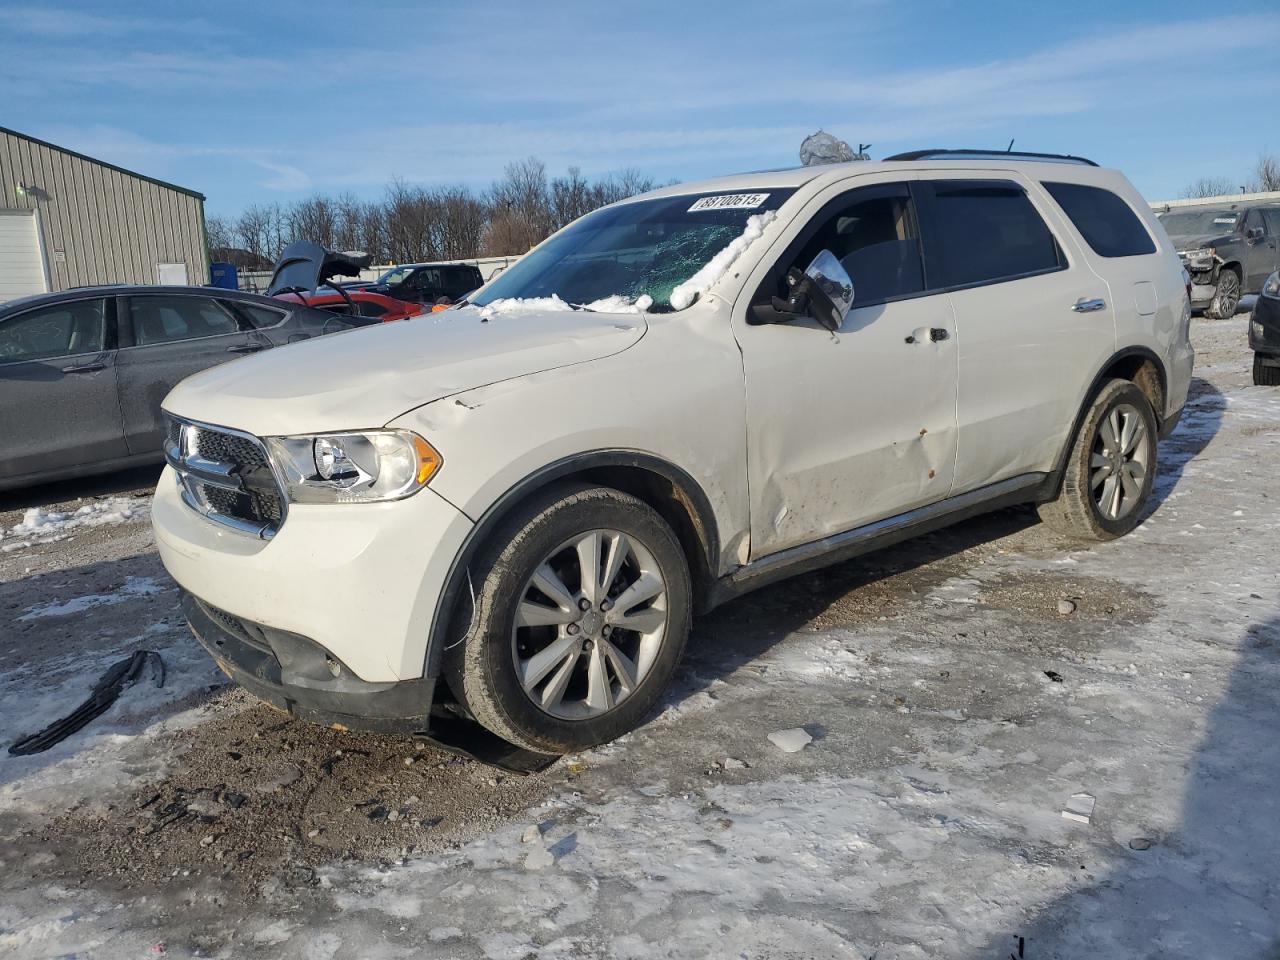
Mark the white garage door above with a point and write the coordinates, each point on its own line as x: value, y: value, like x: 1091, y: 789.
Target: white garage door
x: 21, y: 265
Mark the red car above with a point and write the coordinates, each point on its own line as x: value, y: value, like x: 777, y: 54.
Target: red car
x: 305, y: 267
x: 372, y: 305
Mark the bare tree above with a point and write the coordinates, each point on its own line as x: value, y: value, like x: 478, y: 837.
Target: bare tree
x: 313, y: 219
x: 251, y: 229
x: 1210, y: 187
x: 414, y: 223
x: 221, y: 233
x: 1266, y: 174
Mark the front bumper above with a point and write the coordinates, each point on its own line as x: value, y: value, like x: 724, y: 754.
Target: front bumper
x: 360, y: 580
x: 297, y: 675
x: 1264, y: 327
x: 1202, y: 294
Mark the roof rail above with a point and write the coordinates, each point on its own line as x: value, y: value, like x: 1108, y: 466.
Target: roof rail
x: 989, y: 155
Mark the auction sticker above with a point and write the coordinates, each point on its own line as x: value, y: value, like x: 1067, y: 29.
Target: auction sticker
x: 730, y: 201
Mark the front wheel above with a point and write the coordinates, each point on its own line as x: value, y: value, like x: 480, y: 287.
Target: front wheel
x: 1265, y: 375
x: 581, y: 613
x: 1111, y: 468
x: 1226, y: 298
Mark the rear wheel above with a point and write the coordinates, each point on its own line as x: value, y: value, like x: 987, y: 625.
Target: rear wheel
x: 582, y: 609
x: 1226, y: 298
x: 1111, y: 468
x: 1265, y: 375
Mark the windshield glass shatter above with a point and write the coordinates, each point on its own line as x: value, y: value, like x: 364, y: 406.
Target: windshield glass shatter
x: 636, y: 255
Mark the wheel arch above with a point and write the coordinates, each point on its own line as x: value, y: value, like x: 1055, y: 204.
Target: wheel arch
x: 666, y: 487
x: 1139, y: 365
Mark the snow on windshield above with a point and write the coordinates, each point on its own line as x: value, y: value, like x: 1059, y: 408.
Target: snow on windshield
x: 613, y: 304
x: 639, y: 252
x: 716, y: 267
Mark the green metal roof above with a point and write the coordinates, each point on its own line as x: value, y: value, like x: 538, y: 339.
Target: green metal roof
x: 103, y: 163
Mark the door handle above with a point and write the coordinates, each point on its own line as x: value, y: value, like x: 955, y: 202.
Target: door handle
x: 90, y: 367
x: 1088, y: 306
x: 246, y: 348
x: 932, y: 334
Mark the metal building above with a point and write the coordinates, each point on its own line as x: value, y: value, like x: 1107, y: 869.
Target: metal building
x: 67, y: 220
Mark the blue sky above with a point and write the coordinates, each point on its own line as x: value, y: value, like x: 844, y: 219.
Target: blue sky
x: 273, y: 101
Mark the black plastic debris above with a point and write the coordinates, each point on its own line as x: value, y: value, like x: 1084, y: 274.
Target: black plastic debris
x: 105, y: 692
x: 1053, y: 675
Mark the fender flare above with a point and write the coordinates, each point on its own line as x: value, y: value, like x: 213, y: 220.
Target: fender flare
x: 455, y: 581
x: 1146, y: 353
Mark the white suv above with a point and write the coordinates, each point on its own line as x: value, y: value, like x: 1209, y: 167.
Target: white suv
x: 510, y: 511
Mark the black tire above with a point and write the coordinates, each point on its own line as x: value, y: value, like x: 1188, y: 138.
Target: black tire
x: 1076, y: 511
x: 1265, y: 375
x: 1226, y: 297
x: 481, y: 666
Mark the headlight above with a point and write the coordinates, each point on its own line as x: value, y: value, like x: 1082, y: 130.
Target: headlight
x: 1272, y: 287
x: 358, y: 467
x: 1198, y: 259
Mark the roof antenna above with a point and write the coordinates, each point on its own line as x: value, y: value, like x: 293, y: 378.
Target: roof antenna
x: 1009, y: 148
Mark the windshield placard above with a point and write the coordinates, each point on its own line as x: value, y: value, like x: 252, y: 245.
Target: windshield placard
x: 729, y: 201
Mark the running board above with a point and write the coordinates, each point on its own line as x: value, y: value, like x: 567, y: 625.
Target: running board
x: 872, y: 536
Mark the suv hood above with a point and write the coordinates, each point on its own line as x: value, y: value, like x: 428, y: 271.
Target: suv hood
x: 1189, y: 241
x: 367, y: 377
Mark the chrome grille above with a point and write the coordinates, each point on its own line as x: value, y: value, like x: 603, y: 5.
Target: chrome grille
x: 226, y: 476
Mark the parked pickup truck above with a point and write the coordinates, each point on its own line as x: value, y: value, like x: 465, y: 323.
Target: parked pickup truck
x: 1229, y: 250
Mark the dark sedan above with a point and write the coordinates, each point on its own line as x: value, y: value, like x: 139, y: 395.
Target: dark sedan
x: 83, y: 372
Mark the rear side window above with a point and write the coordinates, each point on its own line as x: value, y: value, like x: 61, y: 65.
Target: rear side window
x: 984, y: 231
x: 1106, y: 222
x: 262, y: 318
x: 163, y: 319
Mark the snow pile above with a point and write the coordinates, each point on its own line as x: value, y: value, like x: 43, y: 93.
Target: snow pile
x: 615, y: 303
x: 133, y: 587
x: 717, y: 266
x: 523, y: 305
x: 41, y: 523
x: 620, y: 304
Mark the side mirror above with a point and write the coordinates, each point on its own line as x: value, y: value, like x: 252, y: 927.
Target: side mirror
x: 1253, y: 233
x: 824, y: 291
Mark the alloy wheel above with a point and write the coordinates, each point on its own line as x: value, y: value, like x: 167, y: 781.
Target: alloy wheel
x: 1228, y: 293
x: 589, y: 624
x: 1119, y: 461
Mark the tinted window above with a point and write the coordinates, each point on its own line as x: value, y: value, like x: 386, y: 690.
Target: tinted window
x: 1106, y: 222
x: 982, y: 232
x: 875, y: 240
x: 1272, y: 216
x: 166, y: 319
x: 370, y: 309
x: 262, y: 317
x: 58, y: 331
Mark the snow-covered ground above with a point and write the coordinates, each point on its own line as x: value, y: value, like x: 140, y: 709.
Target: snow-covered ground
x: 959, y: 690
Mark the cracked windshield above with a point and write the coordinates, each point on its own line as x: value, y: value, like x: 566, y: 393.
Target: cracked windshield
x: 633, y: 251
